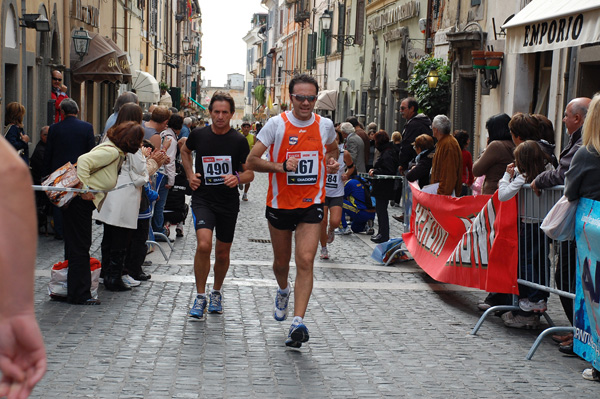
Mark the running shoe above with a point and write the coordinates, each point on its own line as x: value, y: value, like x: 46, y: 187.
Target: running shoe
x: 167, y: 229
x: 179, y: 229
x: 330, y: 236
x: 324, y: 253
x: 216, y: 305
x: 130, y: 281
x: 343, y: 231
x: 297, y: 336
x: 199, y: 309
x: 527, y: 306
x: 280, y: 310
x: 244, y: 197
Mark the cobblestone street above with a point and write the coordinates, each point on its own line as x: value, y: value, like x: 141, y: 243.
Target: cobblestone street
x: 375, y: 331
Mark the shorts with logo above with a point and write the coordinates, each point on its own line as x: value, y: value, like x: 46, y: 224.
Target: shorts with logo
x: 334, y: 201
x: 206, y: 217
x: 289, y: 219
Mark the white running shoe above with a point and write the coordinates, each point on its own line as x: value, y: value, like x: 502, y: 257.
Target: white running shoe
x: 130, y: 281
x: 324, y: 253
x: 330, y: 236
x: 245, y: 197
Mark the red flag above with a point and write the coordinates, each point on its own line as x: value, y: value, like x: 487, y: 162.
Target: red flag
x: 470, y: 241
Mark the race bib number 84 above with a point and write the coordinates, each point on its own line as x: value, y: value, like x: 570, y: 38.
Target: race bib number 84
x: 307, y: 172
x: 214, y: 169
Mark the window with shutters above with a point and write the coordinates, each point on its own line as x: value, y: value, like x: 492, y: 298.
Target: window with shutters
x: 324, y: 44
x: 359, y: 30
x: 153, y: 20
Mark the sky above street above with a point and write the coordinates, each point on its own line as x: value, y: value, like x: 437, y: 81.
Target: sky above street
x: 224, y: 24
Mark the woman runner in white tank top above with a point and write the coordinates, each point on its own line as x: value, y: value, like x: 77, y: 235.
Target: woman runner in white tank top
x: 334, y: 199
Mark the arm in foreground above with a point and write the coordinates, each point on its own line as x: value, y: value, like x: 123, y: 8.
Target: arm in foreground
x: 22, y: 352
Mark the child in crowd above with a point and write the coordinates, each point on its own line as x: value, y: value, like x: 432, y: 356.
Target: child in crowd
x: 529, y: 162
x: 176, y: 210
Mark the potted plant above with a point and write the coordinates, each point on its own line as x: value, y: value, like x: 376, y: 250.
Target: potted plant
x: 493, y: 59
x: 284, y: 106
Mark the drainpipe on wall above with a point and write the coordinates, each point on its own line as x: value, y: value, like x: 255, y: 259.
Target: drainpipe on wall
x: 23, y: 57
x: 67, y: 45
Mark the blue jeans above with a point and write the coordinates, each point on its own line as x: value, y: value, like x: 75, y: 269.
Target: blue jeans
x: 158, y: 220
x: 359, y: 217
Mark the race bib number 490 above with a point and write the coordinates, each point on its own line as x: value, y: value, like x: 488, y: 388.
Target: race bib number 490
x: 307, y: 172
x: 214, y: 169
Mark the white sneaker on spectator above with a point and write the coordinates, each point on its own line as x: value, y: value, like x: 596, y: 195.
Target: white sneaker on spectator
x: 519, y: 321
x: 130, y: 281
x: 591, y: 374
x: 527, y: 306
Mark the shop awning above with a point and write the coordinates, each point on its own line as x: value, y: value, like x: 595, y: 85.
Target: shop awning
x: 553, y: 24
x: 146, y: 87
x: 327, y: 100
x: 123, y: 60
x: 98, y: 65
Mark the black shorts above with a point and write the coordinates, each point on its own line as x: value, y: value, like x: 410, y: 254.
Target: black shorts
x: 289, y: 219
x: 223, y: 223
x: 334, y: 201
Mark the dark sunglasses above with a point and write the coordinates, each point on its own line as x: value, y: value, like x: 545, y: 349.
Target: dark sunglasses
x: 403, y: 108
x: 304, y: 98
x: 57, y: 79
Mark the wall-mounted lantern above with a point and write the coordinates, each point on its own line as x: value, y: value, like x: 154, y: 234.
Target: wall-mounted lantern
x: 35, y: 21
x: 81, y: 41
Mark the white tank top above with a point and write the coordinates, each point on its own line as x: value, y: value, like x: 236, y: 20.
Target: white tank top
x: 334, y: 186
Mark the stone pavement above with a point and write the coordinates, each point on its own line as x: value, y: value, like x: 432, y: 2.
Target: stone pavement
x: 375, y: 332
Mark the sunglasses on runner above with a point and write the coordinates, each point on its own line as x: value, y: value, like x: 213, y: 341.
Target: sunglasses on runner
x: 304, y: 98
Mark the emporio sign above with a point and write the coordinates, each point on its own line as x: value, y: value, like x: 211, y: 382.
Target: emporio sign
x: 393, y: 16
x: 546, y: 25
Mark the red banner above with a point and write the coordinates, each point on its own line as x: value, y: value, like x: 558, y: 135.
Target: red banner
x: 470, y: 241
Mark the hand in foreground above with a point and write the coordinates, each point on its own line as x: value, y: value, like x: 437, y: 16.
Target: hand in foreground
x: 371, y: 172
x: 87, y: 196
x: 292, y: 164
x: 510, y: 169
x: 230, y: 181
x: 22, y: 355
x: 195, y: 181
x: 332, y: 166
x: 536, y: 190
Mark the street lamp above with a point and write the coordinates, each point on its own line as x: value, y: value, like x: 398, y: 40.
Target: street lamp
x: 326, y: 25
x: 186, y: 44
x: 290, y: 72
x: 432, y: 78
x: 81, y: 42
x: 35, y: 21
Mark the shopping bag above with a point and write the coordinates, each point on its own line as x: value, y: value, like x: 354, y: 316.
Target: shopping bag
x: 390, y: 251
x: 57, y: 287
x: 477, y: 186
x: 64, y: 177
x: 559, y: 223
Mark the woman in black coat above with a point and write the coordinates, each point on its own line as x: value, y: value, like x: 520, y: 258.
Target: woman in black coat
x: 420, y: 168
x: 383, y: 190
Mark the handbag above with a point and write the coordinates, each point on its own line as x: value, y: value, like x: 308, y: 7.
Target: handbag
x: 63, y: 177
x: 559, y: 223
x: 57, y: 287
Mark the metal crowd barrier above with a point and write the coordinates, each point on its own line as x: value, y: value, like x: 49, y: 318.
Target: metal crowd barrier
x: 552, y: 263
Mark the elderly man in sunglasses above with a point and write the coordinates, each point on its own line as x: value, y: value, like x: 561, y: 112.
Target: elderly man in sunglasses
x: 57, y: 94
x: 302, y: 150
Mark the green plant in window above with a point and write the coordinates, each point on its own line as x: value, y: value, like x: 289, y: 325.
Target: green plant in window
x: 259, y: 94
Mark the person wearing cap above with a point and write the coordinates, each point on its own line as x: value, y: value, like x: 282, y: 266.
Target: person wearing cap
x: 251, y: 140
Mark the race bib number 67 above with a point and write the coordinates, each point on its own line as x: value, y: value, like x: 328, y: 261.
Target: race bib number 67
x: 307, y: 172
x: 214, y: 169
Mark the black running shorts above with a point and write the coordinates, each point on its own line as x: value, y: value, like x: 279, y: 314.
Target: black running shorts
x: 289, y: 219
